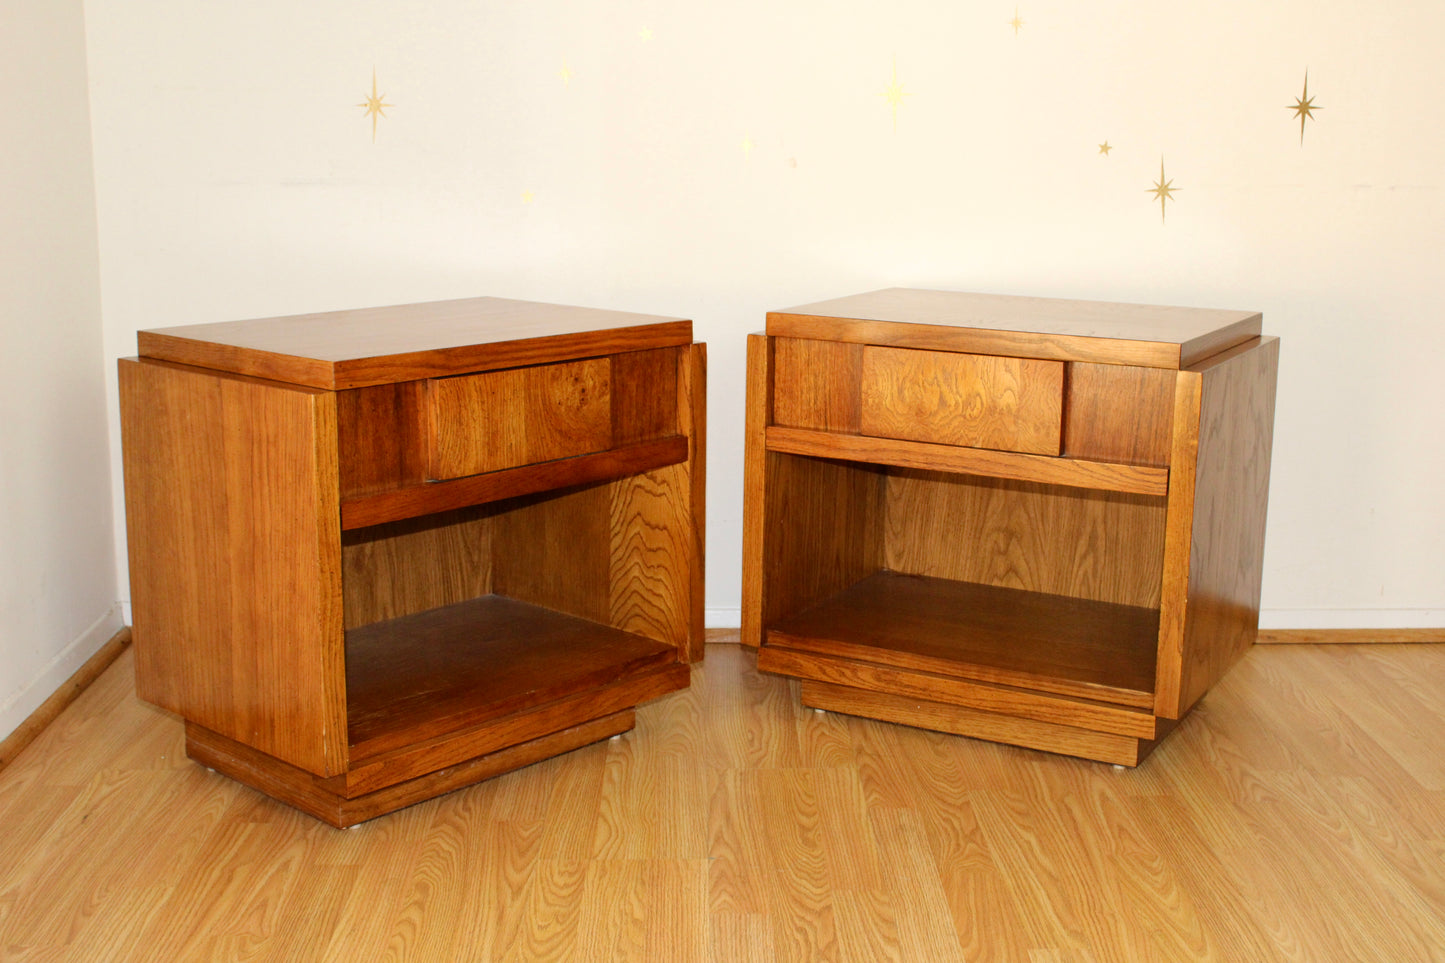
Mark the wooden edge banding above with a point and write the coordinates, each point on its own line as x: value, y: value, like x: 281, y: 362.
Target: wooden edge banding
x: 935, y: 337
x: 913, y: 684
x: 694, y: 365
x: 1073, y: 472
x: 1240, y: 334
x: 1178, y: 526
x: 1350, y: 636
x: 755, y: 459
x: 974, y: 723
x: 252, y: 362
x: 59, y: 700
x: 441, y: 496
x: 297, y: 788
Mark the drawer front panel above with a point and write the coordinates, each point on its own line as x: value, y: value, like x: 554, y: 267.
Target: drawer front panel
x: 978, y: 401
x: 503, y: 419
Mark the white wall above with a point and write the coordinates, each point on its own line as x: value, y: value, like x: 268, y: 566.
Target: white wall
x: 237, y: 177
x: 57, y: 575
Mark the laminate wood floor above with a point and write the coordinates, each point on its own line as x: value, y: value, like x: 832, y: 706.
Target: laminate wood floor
x: 1298, y: 814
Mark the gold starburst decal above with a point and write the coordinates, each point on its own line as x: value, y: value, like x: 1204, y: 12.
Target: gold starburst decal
x: 1304, y: 108
x: 1104, y: 148
x: 1016, y: 22
x: 528, y: 197
x: 894, y: 94
x: 374, y: 104
x: 1163, y: 190
x: 645, y: 33
x: 748, y: 146
x: 566, y: 74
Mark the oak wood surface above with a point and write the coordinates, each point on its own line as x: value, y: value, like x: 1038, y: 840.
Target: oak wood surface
x: 381, y: 435
x: 1104, y: 546
x: 406, y: 567
x: 502, y: 419
x: 1122, y: 413
x: 1296, y: 815
x: 301, y: 789
x: 367, y: 346
x: 231, y: 504
x: 1104, y: 476
x: 1013, y: 404
x: 1026, y: 327
x: 431, y: 497
x: 1231, y: 494
x: 989, y: 697
x: 759, y: 404
x: 1055, y: 643
x: 421, y: 675
x: 817, y: 384
x: 974, y: 723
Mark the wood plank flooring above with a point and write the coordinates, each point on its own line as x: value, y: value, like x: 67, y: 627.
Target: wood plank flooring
x: 1298, y: 814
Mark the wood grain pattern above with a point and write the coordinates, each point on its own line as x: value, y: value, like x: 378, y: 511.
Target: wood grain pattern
x: 1012, y: 404
x: 756, y: 460
x: 432, y: 497
x: 1285, y: 819
x: 1231, y: 494
x: 407, y: 342
x: 974, y: 723
x: 300, y: 789
x: 817, y: 384
x: 555, y: 550
x: 381, y: 438
x: 1053, y: 643
x: 1076, y: 472
x: 1024, y: 327
x: 1122, y: 413
x: 1104, y: 546
x: 401, y: 568
x: 914, y: 684
x: 645, y: 394
x: 502, y: 419
x: 232, y: 502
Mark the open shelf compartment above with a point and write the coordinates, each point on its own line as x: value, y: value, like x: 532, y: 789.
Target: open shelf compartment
x: 1051, y: 643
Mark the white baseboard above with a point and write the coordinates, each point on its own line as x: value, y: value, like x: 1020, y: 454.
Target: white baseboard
x: 17, y: 708
x: 724, y: 618
x: 1352, y: 618
x: 731, y: 618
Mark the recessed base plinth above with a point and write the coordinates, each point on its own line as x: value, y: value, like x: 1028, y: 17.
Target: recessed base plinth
x: 310, y: 794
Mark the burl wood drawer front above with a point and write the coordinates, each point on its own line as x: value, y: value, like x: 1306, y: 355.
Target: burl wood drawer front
x: 978, y: 401
x: 503, y: 419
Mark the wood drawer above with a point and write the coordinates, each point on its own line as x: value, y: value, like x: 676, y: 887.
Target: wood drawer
x: 977, y: 401
x: 502, y: 419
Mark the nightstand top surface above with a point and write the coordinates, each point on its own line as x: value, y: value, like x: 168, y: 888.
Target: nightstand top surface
x: 367, y: 346
x: 1052, y: 328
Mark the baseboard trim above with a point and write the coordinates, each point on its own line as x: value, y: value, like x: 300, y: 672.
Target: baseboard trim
x: 35, y: 723
x: 1349, y: 636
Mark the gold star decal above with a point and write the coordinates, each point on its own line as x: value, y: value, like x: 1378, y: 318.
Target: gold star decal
x: 748, y: 146
x: 894, y: 94
x: 528, y: 197
x: 566, y: 74
x: 645, y: 33
x: 1104, y: 148
x: 374, y: 105
x: 1016, y: 22
x: 1304, y: 107
x: 1163, y: 190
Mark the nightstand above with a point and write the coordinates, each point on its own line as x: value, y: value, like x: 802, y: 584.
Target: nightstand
x: 1026, y: 520
x: 378, y: 555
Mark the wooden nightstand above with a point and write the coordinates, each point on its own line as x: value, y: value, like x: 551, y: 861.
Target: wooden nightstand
x: 378, y: 555
x: 1032, y: 521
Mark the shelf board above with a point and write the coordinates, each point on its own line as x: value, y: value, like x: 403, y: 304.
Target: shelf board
x: 1073, y: 472
x: 436, y: 672
x: 429, y: 498
x: 1051, y: 643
